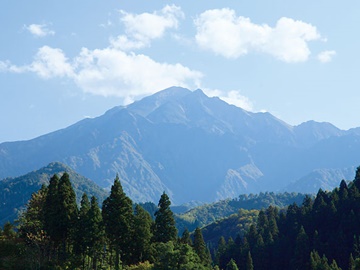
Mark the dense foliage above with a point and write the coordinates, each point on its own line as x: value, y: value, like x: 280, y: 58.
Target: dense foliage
x: 322, y: 233
x: 54, y: 234
x: 208, y: 213
x: 16, y: 192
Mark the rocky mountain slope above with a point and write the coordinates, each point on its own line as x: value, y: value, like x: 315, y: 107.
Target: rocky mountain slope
x: 189, y: 145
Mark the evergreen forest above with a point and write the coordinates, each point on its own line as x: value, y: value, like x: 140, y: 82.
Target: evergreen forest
x: 53, y: 232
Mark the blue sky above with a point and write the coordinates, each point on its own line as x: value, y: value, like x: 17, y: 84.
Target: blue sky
x: 61, y: 61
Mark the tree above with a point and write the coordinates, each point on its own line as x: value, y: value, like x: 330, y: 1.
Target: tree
x: 185, y: 238
x: 232, y: 265
x: 164, y: 228
x: 96, y: 232
x: 67, y: 215
x: 81, y: 235
x: 32, y: 219
x: 52, y: 210
x: 249, y: 262
x: 118, y: 220
x: 200, y: 247
x: 302, y: 251
x: 142, y: 235
x: 31, y: 227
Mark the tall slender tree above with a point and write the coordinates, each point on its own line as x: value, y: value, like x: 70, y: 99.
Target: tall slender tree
x: 52, y: 210
x: 96, y: 232
x: 142, y: 235
x: 81, y: 235
x: 200, y: 247
x: 118, y: 220
x: 164, y: 228
x: 68, y: 214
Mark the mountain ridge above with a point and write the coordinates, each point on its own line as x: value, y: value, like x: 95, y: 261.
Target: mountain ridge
x: 189, y: 145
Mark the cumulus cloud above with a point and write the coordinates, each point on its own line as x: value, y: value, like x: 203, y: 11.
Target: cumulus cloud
x: 231, y: 36
x: 109, y: 71
x: 141, y: 28
x: 113, y: 72
x: 232, y: 97
x: 51, y: 62
x: 326, y: 56
x: 39, y: 30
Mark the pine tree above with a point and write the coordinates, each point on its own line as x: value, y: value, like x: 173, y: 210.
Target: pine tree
x: 232, y: 265
x: 302, y: 251
x: 67, y: 216
x: 164, y: 228
x: 142, y: 235
x: 351, y: 265
x: 81, y: 235
x: 185, y: 238
x: 96, y: 232
x: 118, y: 220
x: 249, y: 262
x: 200, y: 247
x: 32, y: 220
x: 52, y: 210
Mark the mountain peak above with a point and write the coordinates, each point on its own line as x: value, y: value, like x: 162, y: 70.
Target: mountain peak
x: 149, y: 104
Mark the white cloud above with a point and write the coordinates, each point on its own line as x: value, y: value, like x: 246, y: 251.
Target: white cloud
x: 142, y: 28
x: 50, y: 62
x: 39, y: 30
x: 226, y: 34
x: 232, y: 97
x: 109, y: 72
x: 326, y: 56
x: 122, y: 42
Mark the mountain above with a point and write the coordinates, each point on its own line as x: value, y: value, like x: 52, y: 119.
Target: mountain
x: 326, y: 179
x: 16, y: 192
x: 193, y: 147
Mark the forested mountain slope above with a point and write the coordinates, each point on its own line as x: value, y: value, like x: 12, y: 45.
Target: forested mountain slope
x: 321, y: 233
x: 16, y: 192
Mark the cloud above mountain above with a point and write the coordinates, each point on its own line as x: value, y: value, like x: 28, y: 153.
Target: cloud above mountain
x: 224, y: 33
x: 118, y: 69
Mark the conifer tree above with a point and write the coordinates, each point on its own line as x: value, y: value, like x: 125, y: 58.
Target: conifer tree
x: 81, y: 235
x: 200, y: 247
x: 185, y: 238
x: 32, y: 220
x: 96, y: 232
x: 351, y: 265
x: 249, y: 262
x: 302, y: 251
x: 164, y: 227
x: 52, y: 210
x: 68, y: 213
x: 232, y: 265
x: 142, y: 235
x: 118, y: 220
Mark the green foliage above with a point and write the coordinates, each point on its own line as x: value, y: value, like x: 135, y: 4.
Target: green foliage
x: 200, y: 248
x: 185, y: 238
x: 236, y: 224
x: 142, y: 235
x: 206, y: 214
x: 118, y: 220
x: 294, y: 237
x: 164, y: 227
x: 232, y: 265
x: 16, y: 192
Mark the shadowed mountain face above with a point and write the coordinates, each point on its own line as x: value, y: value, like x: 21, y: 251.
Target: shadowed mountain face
x: 189, y: 145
